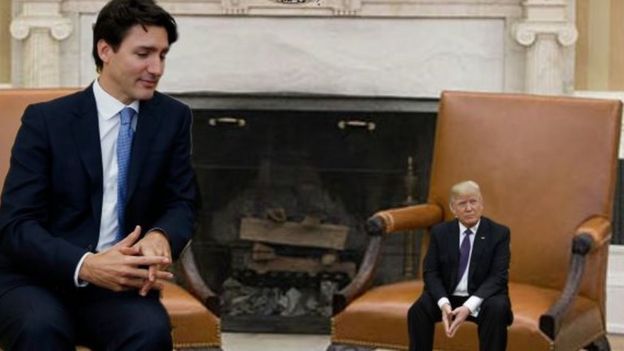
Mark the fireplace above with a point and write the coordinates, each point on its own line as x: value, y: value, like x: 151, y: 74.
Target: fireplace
x: 287, y: 182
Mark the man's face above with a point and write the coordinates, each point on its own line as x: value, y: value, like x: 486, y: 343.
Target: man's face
x: 132, y: 72
x: 468, y: 208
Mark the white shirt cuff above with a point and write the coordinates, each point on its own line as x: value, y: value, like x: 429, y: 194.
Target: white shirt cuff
x: 474, y: 305
x: 443, y: 301
x: 77, y: 281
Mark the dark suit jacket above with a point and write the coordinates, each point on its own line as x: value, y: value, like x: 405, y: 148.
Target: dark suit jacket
x: 52, y: 197
x: 489, y: 265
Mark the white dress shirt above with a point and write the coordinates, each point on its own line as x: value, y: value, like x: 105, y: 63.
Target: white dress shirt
x: 108, y: 109
x: 473, y: 302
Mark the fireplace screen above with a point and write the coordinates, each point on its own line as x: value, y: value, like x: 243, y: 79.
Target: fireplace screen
x: 287, y: 184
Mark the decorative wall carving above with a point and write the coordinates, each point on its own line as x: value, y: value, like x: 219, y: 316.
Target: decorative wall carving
x: 545, y: 31
x: 41, y: 27
x: 290, y: 7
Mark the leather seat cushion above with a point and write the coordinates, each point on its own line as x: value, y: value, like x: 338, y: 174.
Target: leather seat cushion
x: 378, y: 318
x: 192, y: 324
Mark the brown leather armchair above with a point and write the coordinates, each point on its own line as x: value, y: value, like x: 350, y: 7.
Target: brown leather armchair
x: 547, y: 168
x: 194, y: 316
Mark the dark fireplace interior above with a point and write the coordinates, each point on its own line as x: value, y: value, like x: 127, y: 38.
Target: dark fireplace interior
x: 287, y: 182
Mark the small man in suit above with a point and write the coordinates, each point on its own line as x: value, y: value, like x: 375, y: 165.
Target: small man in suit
x: 465, y: 274
x: 99, y: 199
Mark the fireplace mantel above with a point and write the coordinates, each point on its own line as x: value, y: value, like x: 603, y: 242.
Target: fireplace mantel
x: 350, y: 8
x: 411, y: 48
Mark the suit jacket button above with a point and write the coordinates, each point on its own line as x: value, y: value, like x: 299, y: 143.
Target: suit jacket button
x: 90, y: 247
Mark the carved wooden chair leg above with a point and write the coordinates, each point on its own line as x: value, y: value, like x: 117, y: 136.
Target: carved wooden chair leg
x: 345, y: 347
x: 600, y: 344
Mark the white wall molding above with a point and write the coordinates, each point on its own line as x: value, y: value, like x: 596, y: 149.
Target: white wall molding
x: 615, y: 290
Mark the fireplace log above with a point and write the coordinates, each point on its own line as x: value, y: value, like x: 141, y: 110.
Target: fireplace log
x: 328, y: 236
x: 261, y: 252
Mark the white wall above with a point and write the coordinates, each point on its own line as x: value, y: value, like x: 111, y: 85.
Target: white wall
x: 615, y: 290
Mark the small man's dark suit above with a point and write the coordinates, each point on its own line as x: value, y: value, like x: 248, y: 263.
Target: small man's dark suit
x: 487, y: 279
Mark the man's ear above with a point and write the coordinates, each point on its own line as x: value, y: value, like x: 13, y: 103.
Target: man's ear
x: 452, y: 209
x: 104, y: 50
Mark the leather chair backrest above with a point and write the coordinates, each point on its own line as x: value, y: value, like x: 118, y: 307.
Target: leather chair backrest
x: 13, y: 102
x: 545, y: 165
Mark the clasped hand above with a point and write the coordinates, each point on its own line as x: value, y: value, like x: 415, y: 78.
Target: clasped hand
x: 452, y: 319
x: 130, y: 264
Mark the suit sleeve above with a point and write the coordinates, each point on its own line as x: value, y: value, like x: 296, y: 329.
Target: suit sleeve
x: 498, y: 275
x: 25, y: 207
x: 181, y: 194
x: 432, y: 273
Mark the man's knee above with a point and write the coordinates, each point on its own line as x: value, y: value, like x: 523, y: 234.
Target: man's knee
x: 497, y: 307
x: 43, y: 326
x: 423, y: 311
x: 416, y: 311
x: 31, y: 314
x: 151, y: 333
x: 30, y: 329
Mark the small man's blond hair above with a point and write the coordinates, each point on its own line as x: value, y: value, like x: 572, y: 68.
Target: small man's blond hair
x: 464, y: 187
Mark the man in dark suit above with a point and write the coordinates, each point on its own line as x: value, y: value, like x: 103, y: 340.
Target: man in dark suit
x: 99, y: 199
x: 466, y: 274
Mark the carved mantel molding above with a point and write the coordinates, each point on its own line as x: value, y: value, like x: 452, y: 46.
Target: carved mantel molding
x: 527, y: 32
x: 41, y: 26
x: 327, y: 8
x: 284, y: 7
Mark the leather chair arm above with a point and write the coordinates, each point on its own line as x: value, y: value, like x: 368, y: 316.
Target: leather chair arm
x: 590, y: 235
x: 388, y: 221
x: 363, y: 278
x: 195, y: 284
x: 599, y: 228
x: 408, y: 218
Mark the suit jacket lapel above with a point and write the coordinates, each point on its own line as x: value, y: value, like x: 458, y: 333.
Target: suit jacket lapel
x: 453, y: 250
x: 478, y: 246
x: 148, y: 123
x: 86, y: 135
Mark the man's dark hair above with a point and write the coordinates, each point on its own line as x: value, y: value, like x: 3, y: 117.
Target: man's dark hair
x: 118, y: 16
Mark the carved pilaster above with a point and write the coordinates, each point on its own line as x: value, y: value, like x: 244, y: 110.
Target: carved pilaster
x: 545, y: 32
x: 41, y: 27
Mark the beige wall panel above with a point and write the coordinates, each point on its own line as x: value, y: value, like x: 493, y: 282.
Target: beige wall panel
x: 598, y: 42
x: 5, y: 41
x: 616, y: 46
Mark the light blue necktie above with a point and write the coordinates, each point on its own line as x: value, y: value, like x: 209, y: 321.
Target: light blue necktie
x: 124, y: 149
